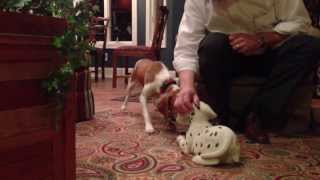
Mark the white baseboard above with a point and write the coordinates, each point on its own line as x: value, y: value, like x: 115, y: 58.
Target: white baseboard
x: 120, y: 71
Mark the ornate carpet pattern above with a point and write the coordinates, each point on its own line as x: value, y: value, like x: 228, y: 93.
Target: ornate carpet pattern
x: 114, y: 146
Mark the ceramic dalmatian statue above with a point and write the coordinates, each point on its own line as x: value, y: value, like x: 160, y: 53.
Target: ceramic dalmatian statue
x: 209, y: 144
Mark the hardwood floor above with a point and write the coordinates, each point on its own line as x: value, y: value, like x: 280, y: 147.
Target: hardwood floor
x: 103, y: 92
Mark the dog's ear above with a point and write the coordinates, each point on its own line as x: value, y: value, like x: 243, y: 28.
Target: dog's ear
x: 162, y: 104
x: 208, y: 110
x: 177, y: 80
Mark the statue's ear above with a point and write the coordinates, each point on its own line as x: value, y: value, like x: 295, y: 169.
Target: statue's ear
x: 183, y: 119
x: 208, y: 110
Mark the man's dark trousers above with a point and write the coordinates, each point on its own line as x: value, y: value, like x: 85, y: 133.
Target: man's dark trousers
x: 283, y: 67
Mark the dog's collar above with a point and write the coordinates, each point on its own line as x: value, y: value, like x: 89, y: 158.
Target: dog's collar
x: 166, y: 84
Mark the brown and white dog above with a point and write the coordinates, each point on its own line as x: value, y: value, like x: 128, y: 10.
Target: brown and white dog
x: 157, y: 83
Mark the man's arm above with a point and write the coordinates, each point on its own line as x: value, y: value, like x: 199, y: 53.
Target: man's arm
x: 271, y: 39
x: 293, y: 17
x: 252, y: 44
x: 190, y: 34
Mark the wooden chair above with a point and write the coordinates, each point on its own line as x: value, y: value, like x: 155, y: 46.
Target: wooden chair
x: 152, y: 52
x: 98, y: 32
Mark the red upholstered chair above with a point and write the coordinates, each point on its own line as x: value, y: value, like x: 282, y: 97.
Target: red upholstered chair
x: 152, y: 52
x: 98, y: 32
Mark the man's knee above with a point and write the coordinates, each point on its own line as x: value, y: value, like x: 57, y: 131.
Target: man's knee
x: 311, y: 49
x: 212, y: 50
x: 214, y: 43
x: 304, y: 46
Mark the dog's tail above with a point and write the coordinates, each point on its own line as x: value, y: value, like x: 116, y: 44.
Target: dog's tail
x: 229, y: 138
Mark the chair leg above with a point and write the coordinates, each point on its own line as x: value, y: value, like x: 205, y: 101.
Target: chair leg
x: 96, y: 65
x: 157, y: 56
x: 312, y: 120
x: 114, y: 69
x: 126, y: 70
x: 100, y: 59
x: 103, y: 75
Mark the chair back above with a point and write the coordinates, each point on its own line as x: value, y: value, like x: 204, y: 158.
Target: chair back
x: 98, y: 30
x: 313, y: 7
x: 162, y: 19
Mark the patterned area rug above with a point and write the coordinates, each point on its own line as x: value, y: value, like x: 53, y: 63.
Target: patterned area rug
x: 114, y: 146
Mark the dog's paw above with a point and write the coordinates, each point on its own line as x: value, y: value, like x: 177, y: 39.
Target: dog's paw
x: 123, y: 108
x: 149, y: 130
x: 180, y: 138
x: 197, y: 159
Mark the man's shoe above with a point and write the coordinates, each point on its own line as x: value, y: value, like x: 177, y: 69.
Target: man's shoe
x: 253, y: 131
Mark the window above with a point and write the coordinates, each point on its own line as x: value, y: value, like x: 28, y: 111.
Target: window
x: 123, y: 25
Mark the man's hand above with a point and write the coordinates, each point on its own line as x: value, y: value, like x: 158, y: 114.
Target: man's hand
x: 247, y: 44
x: 185, y: 100
x: 187, y: 96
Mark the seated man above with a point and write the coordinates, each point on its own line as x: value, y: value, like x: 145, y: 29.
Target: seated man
x: 223, y: 39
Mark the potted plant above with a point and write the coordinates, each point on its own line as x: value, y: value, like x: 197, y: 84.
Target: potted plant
x: 73, y: 45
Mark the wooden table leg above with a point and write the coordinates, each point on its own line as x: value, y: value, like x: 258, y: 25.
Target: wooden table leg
x: 103, y: 76
x: 96, y: 65
x: 126, y: 70
x: 114, y: 69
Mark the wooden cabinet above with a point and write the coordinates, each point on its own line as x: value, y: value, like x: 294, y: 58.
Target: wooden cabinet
x: 36, y: 136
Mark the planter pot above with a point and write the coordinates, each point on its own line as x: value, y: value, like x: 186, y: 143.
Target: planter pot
x: 85, y: 100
